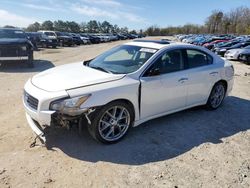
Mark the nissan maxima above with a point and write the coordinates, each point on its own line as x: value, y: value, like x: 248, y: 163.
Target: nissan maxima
x: 126, y: 86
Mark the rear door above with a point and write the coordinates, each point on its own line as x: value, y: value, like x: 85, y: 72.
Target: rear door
x: 202, y: 74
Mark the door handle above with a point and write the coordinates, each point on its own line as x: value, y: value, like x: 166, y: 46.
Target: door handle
x: 182, y: 80
x: 213, y: 73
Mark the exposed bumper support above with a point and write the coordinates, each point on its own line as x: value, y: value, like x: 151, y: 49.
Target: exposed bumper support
x: 35, y: 128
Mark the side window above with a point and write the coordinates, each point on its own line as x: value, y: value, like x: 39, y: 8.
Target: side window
x: 171, y: 61
x: 197, y: 58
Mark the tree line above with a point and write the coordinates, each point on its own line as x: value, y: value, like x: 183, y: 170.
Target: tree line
x: 236, y: 21
x: 92, y: 26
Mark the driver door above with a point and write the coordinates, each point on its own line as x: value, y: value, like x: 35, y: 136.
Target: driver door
x: 164, y: 85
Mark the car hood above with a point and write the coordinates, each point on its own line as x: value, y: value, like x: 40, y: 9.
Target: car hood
x: 6, y: 41
x: 71, y: 76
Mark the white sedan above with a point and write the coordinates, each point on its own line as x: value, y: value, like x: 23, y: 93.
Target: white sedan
x: 126, y: 86
x: 234, y: 54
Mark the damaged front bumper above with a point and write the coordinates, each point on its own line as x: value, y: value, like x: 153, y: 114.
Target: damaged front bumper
x: 55, y: 119
x: 41, y: 117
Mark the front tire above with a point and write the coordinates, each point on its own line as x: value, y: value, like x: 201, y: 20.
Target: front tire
x: 217, y: 96
x: 111, y: 123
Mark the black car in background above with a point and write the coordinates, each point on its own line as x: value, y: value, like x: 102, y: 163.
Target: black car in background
x: 76, y: 39
x: 14, y: 46
x: 64, y: 39
x: 93, y: 39
x: 121, y: 37
x: 245, y: 57
x: 219, y: 46
x: 41, y: 40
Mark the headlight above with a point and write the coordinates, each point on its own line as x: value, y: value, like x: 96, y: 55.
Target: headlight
x: 223, y: 50
x: 70, y: 106
x: 50, y: 40
x: 24, y: 48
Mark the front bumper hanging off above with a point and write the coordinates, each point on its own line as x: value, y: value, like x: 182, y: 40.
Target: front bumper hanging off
x: 36, y: 128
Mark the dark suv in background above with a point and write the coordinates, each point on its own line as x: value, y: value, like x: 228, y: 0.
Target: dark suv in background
x: 14, y: 46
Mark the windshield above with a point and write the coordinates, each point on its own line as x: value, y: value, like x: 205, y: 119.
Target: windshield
x: 122, y: 59
x: 6, y: 33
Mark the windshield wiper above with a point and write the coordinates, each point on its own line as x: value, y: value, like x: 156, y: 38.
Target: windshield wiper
x: 101, y: 69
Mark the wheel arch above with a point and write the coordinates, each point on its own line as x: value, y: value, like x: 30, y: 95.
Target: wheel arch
x: 131, y: 105
x: 224, y: 82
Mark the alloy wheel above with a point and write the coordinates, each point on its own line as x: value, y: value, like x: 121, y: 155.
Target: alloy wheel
x: 217, y: 95
x: 114, y: 123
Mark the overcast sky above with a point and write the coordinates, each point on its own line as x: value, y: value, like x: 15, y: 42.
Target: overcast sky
x: 135, y: 14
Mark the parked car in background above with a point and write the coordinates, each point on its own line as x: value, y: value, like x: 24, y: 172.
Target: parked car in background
x: 93, y: 39
x: 234, y: 54
x: 210, y: 45
x: 64, y: 39
x: 126, y: 86
x: 245, y: 57
x: 85, y: 40
x: 221, y: 51
x: 76, y: 39
x: 121, y: 36
x: 15, y: 46
x: 51, y: 35
x: 41, y: 40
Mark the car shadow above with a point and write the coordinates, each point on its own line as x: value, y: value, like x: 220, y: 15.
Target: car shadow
x: 16, y: 67
x: 160, y: 139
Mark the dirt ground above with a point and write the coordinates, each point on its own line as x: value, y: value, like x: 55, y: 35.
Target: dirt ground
x: 193, y: 148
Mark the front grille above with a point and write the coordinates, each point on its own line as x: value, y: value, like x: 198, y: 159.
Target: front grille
x: 10, y: 51
x: 30, y: 100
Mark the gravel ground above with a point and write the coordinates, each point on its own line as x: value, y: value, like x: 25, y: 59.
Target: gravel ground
x: 192, y: 148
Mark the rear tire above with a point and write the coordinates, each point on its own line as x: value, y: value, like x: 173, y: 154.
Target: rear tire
x: 217, y: 96
x: 111, y: 123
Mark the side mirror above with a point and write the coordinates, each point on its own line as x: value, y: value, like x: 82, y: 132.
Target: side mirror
x: 86, y: 62
x: 154, y: 72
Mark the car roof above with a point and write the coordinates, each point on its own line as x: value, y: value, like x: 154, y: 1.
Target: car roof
x: 156, y: 44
